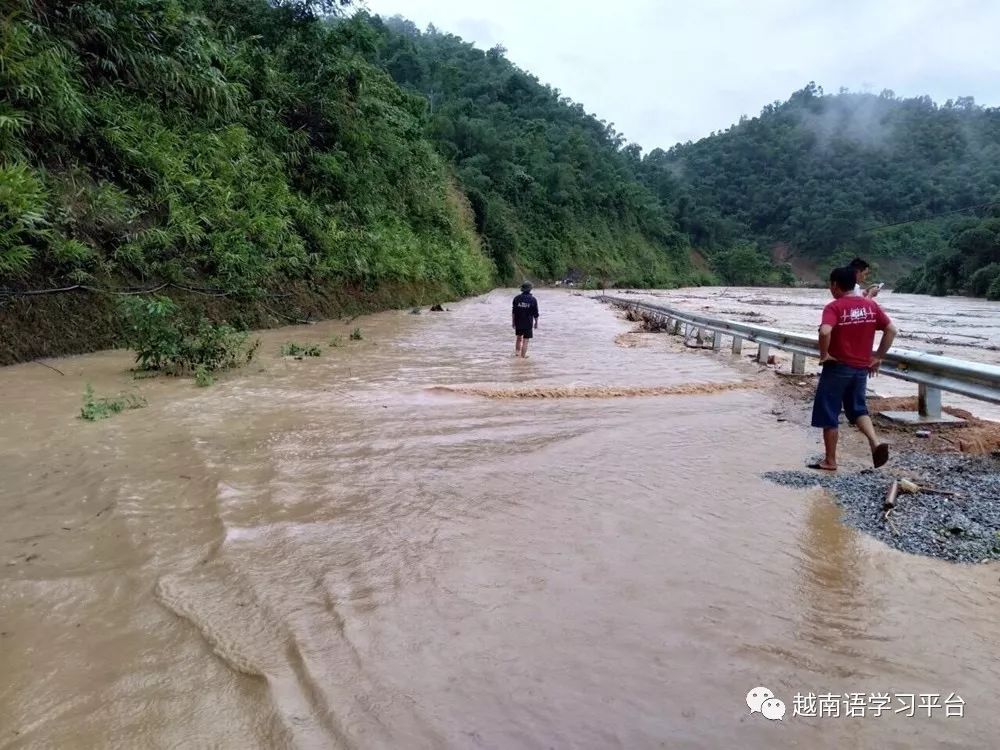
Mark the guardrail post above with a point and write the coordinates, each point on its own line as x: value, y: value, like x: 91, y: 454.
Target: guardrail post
x: 936, y: 373
x: 929, y: 401
x: 700, y: 338
x: 798, y: 364
x: 716, y: 340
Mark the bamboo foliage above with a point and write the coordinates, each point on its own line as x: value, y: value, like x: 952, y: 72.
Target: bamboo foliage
x: 236, y: 144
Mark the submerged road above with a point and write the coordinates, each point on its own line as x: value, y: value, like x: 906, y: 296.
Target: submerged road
x: 417, y: 541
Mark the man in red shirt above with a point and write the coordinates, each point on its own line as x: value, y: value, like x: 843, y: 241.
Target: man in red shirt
x: 846, y: 337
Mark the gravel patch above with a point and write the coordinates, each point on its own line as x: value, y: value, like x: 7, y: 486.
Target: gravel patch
x: 961, y: 528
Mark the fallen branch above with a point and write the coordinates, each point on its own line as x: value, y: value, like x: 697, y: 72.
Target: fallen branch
x: 287, y: 317
x: 39, y: 362
x: 889, y: 505
x: 890, y: 497
x: 936, y: 491
x: 892, y: 526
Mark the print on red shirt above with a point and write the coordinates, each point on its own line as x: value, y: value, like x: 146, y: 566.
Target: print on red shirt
x: 854, y: 321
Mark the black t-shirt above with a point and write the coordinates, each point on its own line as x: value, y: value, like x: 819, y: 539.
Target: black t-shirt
x: 525, y: 310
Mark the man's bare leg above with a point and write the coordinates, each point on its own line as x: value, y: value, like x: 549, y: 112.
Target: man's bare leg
x: 864, y: 424
x: 830, y: 437
x: 524, y: 347
x: 517, y: 345
x: 880, y: 452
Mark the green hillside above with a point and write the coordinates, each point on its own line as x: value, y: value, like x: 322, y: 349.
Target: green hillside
x: 812, y: 178
x: 230, y: 145
x: 262, y: 163
x: 552, y: 187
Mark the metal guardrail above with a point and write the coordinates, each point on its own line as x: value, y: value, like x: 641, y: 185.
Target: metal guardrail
x: 931, y: 372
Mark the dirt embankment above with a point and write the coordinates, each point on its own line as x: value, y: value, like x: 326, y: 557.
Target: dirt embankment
x: 973, y: 436
x: 80, y: 321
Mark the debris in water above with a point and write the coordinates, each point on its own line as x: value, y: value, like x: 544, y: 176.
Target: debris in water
x: 957, y: 519
x: 594, y: 391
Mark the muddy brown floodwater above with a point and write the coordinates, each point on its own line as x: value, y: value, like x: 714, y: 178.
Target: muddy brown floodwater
x: 961, y: 327
x: 366, y: 550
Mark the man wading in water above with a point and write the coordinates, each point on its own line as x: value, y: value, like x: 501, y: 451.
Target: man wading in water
x: 523, y: 316
x: 846, y: 336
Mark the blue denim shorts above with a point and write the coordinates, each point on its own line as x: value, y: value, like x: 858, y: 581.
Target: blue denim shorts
x: 839, y: 386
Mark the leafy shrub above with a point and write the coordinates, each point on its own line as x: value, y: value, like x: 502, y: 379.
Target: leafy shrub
x: 216, y: 347
x: 202, y: 377
x: 993, y: 292
x: 23, y: 206
x: 703, y: 278
x: 356, y: 335
x: 337, y: 341
x: 981, y: 281
x: 152, y: 329
x: 164, y: 340
x: 291, y: 349
x: 101, y: 408
x: 742, y: 265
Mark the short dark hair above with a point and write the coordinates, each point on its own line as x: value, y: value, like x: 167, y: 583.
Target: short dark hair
x: 843, y: 278
x: 858, y: 264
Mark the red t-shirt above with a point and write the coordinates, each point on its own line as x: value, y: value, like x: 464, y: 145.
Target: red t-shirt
x: 854, y: 320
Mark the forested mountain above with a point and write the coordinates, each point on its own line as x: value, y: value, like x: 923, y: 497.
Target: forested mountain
x: 814, y: 175
x: 264, y: 153
x: 552, y: 187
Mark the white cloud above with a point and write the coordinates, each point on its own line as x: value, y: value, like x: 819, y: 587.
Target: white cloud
x: 665, y: 72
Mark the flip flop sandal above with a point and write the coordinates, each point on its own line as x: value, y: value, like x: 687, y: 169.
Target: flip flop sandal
x: 880, y: 455
x: 819, y: 466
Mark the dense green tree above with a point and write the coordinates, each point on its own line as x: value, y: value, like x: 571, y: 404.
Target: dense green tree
x: 252, y: 143
x: 817, y: 173
x: 241, y: 143
x: 969, y: 264
x: 553, y: 188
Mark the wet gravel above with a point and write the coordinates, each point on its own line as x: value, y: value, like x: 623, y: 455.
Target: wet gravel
x: 961, y: 528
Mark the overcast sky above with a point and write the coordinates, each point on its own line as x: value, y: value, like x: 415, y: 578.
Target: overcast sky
x: 673, y: 71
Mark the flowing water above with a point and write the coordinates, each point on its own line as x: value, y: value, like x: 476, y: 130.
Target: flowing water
x: 417, y: 541
x: 960, y: 327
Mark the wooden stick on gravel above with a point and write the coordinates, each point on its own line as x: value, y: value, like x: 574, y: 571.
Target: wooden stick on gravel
x: 889, y: 504
x: 890, y: 497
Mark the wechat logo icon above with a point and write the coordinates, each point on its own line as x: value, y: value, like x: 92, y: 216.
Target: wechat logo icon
x: 761, y: 700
